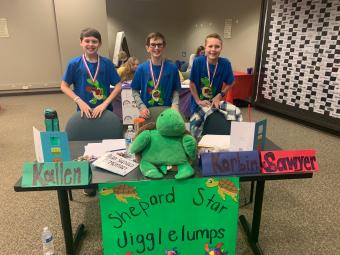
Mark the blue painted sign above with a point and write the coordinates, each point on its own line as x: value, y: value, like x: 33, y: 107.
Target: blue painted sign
x: 66, y: 173
x: 230, y: 163
x: 55, y: 146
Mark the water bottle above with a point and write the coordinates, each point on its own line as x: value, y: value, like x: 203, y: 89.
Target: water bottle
x: 47, y: 241
x: 129, y: 135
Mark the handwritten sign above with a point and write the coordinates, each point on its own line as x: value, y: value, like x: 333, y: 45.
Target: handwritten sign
x: 230, y: 163
x: 153, y: 217
x: 67, y: 173
x: 288, y: 161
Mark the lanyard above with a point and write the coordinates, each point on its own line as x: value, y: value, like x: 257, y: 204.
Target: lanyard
x: 208, y: 69
x: 88, y: 69
x: 156, y: 81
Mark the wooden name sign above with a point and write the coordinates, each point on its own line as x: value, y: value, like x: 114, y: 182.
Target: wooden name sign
x: 230, y: 163
x: 288, y: 161
x: 66, y: 173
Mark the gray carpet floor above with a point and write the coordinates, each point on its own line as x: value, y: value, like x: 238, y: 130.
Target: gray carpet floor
x: 299, y: 216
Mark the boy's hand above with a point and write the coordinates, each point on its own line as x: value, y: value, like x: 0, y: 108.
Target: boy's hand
x: 144, y: 113
x: 216, y: 100
x: 175, y: 107
x: 97, y: 112
x: 203, y: 103
x: 84, y: 108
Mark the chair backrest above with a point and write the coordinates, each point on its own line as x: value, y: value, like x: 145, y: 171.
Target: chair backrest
x: 108, y: 126
x: 216, y: 124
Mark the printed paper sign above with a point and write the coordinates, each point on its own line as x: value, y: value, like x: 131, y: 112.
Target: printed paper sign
x: 288, y: 161
x: 114, y: 163
x: 67, y: 173
x: 230, y: 163
x: 188, y: 216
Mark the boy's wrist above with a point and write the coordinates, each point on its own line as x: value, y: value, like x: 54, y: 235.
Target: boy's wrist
x: 76, y: 99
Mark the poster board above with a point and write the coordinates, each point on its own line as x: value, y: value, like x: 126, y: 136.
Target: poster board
x: 151, y: 217
x: 288, y: 161
x: 51, y: 146
x: 230, y: 163
x: 67, y: 173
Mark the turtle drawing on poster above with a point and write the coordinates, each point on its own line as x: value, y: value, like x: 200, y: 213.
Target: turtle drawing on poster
x: 138, y: 216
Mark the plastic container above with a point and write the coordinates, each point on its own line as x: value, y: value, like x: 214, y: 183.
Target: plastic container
x: 129, y: 136
x: 47, y: 242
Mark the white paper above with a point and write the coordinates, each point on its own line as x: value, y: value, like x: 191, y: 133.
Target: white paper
x: 94, y: 149
x: 227, y: 28
x: 215, y: 142
x: 115, y: 163
x: 3, y: 27
x: 37, y: 145
x: 242, y: 136
x: 114, y: 144
x: 99, y: 149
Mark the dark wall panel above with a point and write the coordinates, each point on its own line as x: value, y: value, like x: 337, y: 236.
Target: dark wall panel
x: 300, y: 62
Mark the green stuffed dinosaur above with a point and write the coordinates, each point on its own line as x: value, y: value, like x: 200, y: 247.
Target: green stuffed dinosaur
x: 167, y: 145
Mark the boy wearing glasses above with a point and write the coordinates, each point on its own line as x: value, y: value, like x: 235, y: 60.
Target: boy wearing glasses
x: 211, y: 76
x: 156, y: 82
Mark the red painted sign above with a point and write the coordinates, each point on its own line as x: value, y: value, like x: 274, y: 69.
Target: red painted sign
x: 288, y: 161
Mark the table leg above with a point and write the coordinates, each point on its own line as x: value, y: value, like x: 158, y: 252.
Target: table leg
x: 65, y: 217
x: 253, y: 231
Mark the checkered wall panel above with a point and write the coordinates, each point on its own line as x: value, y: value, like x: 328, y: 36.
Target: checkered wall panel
x: 302, y: 61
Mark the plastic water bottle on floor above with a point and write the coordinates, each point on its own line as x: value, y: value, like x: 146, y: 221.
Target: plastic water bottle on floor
x: 47, y: 241
x: 129, y: 136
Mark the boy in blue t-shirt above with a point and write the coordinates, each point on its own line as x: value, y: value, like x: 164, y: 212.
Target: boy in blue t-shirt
x: 156, y: 82
x: 211, y: 76
x: 91, y: 76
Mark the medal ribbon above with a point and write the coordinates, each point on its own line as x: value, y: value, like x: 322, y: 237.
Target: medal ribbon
x: 88, y: 69
x: 156, y: 81
x: 208, y: 69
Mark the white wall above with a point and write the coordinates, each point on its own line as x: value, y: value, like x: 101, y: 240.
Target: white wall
x: 44, y: 34
x: 30, y: 55
x: 74, y: 15
x: 185, y: 25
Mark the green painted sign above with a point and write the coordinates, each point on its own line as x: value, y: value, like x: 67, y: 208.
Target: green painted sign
x: 65, y: 173
x: 186, y: 217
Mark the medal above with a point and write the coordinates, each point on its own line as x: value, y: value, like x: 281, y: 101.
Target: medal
x: 88, y: 69
x: 155, y: 93
x: 208, y: 69
x: 207, y: 92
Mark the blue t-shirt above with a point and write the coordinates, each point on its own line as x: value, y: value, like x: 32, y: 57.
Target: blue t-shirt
x: 169, y: 82
x: 92, y: 93
x: 199, y: 76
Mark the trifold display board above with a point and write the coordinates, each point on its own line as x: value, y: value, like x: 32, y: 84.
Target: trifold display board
x: 299, y: 71
x: 193, y: 216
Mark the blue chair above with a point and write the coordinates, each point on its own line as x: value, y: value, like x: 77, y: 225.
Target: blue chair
x: 108, y: 126
x: 216, y: 124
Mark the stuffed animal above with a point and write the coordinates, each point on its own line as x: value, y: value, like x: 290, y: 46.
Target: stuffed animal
x: 167, y: 145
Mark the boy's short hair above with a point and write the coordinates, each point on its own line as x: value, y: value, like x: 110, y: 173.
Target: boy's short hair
x: 87, y: 32
x: 213, y: 35
x: 154, y: 35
